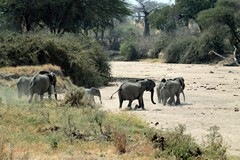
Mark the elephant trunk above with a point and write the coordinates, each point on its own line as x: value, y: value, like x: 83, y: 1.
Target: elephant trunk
x: 152, y: 93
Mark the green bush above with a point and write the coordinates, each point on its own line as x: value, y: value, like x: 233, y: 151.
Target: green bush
x: 198, y: 50
x: 80, y: 58
x: 128, y: 50
x: 160, y: 44
x: 177, y: 48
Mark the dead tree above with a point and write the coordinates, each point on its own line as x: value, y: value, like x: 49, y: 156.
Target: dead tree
x: 231, y: 59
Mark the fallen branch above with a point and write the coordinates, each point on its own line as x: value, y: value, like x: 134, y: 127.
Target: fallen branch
x: 230, y: 57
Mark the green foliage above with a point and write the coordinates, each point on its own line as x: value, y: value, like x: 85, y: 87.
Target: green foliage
x: 80, y: 58
x: 224, y: 19
x: 160, y: 45
x: 198, y: 50
x: 127, y: 49
x: 190, y: 8
x: 177, y: 48
x: 164, y: 19
x: 175, y: 144
x: 63, y: 15
x: 214, y: 148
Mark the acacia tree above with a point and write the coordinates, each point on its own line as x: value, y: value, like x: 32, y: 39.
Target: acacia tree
x: 65, y: 15
x: 190, y: 8
x: 23, y: 13
x: 224, y: 19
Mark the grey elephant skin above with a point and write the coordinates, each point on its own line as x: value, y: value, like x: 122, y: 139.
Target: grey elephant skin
x: 134, y: 90
x: 23, y: 84
x: 42, y: 83
x: 91, y: 92
x: 158, y: 88
x: 169, y: 89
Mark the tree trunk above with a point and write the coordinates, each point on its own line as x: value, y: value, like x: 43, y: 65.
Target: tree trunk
x: 146, y: 25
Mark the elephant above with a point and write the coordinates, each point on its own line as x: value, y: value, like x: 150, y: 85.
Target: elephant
x: 54, y: 80
x: 134, y: 90
x: 91, y: 92
x: 23, y: 84
x: 42, y: 83
x: 158, y: 88
x: 170, y: 88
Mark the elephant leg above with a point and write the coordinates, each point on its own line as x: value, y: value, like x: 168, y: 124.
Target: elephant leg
x: 141, y: 103
x: 164, y: 101
x: 178, y: 99
x: 129, y: 104
x: 171, y: 100
x: 159, y: 95
x: 120, y: 102
x: 31, y: 96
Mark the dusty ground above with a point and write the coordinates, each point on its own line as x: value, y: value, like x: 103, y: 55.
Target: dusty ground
x: 212, y: 98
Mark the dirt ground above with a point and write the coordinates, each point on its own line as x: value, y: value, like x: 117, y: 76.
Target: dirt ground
x: 212, y: 98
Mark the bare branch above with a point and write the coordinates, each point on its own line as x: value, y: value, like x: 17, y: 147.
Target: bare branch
x: 234, y: 56
x: 217, y: 54
x: 229, y: 58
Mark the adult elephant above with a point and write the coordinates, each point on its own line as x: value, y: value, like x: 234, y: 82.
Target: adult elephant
x: 54, y: 80
x: 91, y: 92
x: 134, y: 90
x: 23, y: 84
x: 42, y: 83
x: 172, y: 88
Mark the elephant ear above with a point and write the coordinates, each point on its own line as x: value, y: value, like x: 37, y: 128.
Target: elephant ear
x: 52, y: 78
x: 150, y: 85
x: 181, y: 81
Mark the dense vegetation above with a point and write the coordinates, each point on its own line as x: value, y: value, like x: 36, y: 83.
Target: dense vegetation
x: 80, y: 58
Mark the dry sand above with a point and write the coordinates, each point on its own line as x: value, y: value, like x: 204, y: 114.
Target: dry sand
x: 212, y: 98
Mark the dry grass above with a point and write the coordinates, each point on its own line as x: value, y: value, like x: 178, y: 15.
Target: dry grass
x: 29, y: 70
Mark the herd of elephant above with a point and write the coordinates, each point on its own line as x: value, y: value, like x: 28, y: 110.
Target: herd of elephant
x: 42, y: 82
x: 166, y: 91
x: 45, y: 81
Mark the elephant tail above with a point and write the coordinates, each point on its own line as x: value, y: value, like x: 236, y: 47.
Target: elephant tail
x: 114, y: 93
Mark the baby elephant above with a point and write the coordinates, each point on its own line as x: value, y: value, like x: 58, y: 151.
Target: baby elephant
x: 91, y: 92
x: 167, y: 89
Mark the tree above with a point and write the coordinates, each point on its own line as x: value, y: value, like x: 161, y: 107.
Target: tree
x: 23, y: 13
x: 188, y: 9
x: 65, y: 15
x: 223, y: 19
x: 164, y: 19
x: 146, y: 7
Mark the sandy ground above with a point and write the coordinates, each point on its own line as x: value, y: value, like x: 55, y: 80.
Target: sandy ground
x: 212, y: 98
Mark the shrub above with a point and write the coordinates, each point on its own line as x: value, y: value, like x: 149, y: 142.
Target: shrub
x: 80, y: 58
x: 128, y: 50
x: 176, y: 49
x: 160, y: 44
x: 197, y: 51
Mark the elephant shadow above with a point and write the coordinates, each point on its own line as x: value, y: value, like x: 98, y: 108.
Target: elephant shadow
x: 181, y: 105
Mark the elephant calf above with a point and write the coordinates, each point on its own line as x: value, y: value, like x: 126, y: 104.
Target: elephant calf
x: 167, y: 89
x: 91, y: 92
